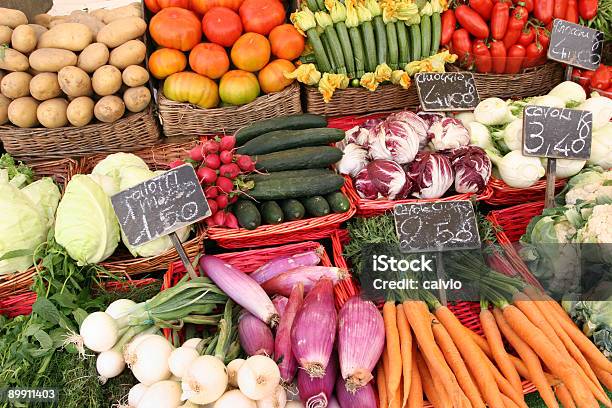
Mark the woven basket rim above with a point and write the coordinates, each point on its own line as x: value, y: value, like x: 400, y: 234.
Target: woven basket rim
x: 549, y: 65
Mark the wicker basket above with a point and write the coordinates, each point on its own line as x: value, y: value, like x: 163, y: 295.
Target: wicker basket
x: 186, y: 120
x: 130, y: 133
x: 504, y: 195
x: 532, y: 81
x: 353, y: 101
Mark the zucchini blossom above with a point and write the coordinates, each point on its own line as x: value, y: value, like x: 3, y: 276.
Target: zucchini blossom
x: 337, y: 10
x: 363, y: 13
x: 323, y: 19
x: 303, y: 20
x: 435, y: 63
x: 382, y: 73
x: 306, y: 74
x: 352, y: 18
x: 330, y: 82
x: 408, y: 12
x: 427, y: 10
x: 437, y: 6
x: 389, y: 11
x: 368, y: 81
x: 401, y: 78
x: 374, y: 7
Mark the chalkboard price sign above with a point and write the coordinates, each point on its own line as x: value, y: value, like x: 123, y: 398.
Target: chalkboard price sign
x: 575, y: 45
x: 441, y: 226
x: 557, y: 133
x: 161, y: 205
x: 447, y: 91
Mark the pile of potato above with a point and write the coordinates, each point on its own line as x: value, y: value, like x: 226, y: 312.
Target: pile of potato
x: 67, y: 70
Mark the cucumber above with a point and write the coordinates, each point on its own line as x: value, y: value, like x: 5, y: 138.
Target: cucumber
x: 290, y: 139
x: 336, y: 49
x: 381, y: 40
x: 338, y: 202
x: 298, y: 159
x: 293, y: 210
x: 436, y: 33
x: 316, y: 206
x: 425, y: 36
x: 291, y: 122
x: 328, y: 51
x: 271, y: 213
x: 280, y: 189
x: 283, y: 175
x: 392, y: 44
x: 347, y: 51
x: 370, y: 46
x: 247, y: 214
x: 415, y: 42
x: 358, y: 51
x: 402, y: 44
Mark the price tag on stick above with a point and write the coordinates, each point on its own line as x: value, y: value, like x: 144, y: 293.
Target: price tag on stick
x: 161, y: 206
x: 575, y: 45
x: 447, y: 91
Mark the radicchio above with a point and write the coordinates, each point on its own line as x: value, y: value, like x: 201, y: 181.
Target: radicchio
x: 364, y: 185
x: 449, y: 133
x: 431, y: 117
x: 353, y: 160
x: 357, y: 135
x: 393, y: 140
x: 472, y: 169
x: 389, y: 178
x: 418, y: 125
x: 431, y: 175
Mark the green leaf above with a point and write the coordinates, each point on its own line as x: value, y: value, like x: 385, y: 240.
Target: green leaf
x: 79, y: 315
x: 45, y: 309
x: 17, y: 253
x: 65, y: 299
x: 31, y: 329
x: 44, y: 339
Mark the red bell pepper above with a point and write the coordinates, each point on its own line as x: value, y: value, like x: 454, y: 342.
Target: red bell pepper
x: 527, y: 36
x: 499, y: 20
x: 484, y: 64
x: 462, y: 46
x: 472, y: 22
x: 498, y: 56
x: 601, y: 78
x: 449, y: 22
x: 514, y: 61
x: 587, y: 9
x: 560, y: 9
x: 543, y: 10
x: 515, y: 26
x: 571, y: 14
x: 588, y: 76
x: 535, y: 54
x: 482, y: 7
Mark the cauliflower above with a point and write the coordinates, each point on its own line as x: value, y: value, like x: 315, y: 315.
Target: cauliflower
x: 591, y: 185
x: 597, y: 231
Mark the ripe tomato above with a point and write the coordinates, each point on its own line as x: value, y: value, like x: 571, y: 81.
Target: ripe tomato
x: 166, y: 61
x: 272, y: 76
x: 499, y: 20
x: 462, y: 46
x: 209, y: 59
x: 222, y: 26
x: 498, y: 56
x: 261, y: 16
x: 251, y: 52
x: 238, y: 87
x: 286, y: 42
x: 202, y: 6
x: 514, y: 61
x: 449, y: 22
x: 177, y: 28
x: 472, y: 22
x: 527, y: 36
x: 156, y: 5
x: 484, y: 64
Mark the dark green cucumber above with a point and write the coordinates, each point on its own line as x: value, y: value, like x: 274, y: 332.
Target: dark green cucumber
x: 358, y: 51
x: 298, y: 159
x: 316, y: 206
x: 271, y: 213
x: 280, y: 189
x: 425, y: 36
x: 415, y: 42
x: 292, y: 122
x: 369, y: 45
x: 402, y: 44
x: 436, y: 33
x: 293, y: 210
x: 284, y: 175
x: 392, y: 44
x: 347, y: 51
x: 290, y: 139
x: 336, y: 49
x: 381, y: 40
x: 338, y: 202
x: 247, y: 214
x: 328, y: 52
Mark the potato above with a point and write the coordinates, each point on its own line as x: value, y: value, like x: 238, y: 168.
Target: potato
x: 99, y: 14
x: 52, y: 59
x: 45, y: 86
x: 80, y: 111
x: 13, y: 60
x: 109, y: 109
x: 5, y: 34
x: 74, y: 82
x: 12, y: 18
x: 22, y: 112
x: 67, y: 36
x: 93, y: 57
x: 38, y: 29
x: 137, y: 99
x: 57, y: 20
x: 4, y: 104
x: 24, y: 39
x: 132, y: 52
x: 121, y: 31
x: 52, y: 113
x: 16, y: 85
x: 106, y: 80
x: 43, y: 20
x: 131, y: 10
x: 82, y: 17
x: 135, y: 75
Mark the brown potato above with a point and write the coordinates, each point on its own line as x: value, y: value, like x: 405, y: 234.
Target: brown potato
x: 6, y: 33
x: 12, y: 18
x: 4, y: 104
x: 16, y: 85
x: 137, y: 99
x: 52, y: 59
x: 74, y: 82
x: 93, y: 57
x: 109, y: 109
x: 38, y: 29
x: 22, y: 112
x: 80, y: 111
x: 132, y: 52
x: 42, y: 20
x: 24, y: 39
x: 2, y: 74
x: 52, y: 113
x: 14, y: 61
x: 45, y: 86
x: 121, y: 31
x: 67, y: 36
x: 135, y: 75
x: 55, y: 21
x: 99, y: 14
x: 87, y: 19
x: 106, y: 80
x: 131, y: 10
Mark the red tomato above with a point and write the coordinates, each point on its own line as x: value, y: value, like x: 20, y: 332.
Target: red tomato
x: 166, y: 61
x: 543, y: 10
x: 571, y: 14
x: 155, y: 5
x: 222, y: 26
x: 514, y: 62
x: 527, y: 36
x: 601, y: 78
x: 498, y: 56
x: 286, y: 42
x: 202, y: 6
x: 238, y: 87
x: 560, y: 9
x: 449, y: 22
x: 209, y: 59
x: 543, y: 37
x: 472, y: 22
x: 587, y: 9
x: 535, y: 54
x: 528, y: 4
x: 177, y: 28
x: 251, y: 52
x: 482, y: 7
x: 515, y: 27
x: 261, y: 16
x: 499, y: 20
x: 484, y: 64
x: 272, y: 76
x: 462, y: 46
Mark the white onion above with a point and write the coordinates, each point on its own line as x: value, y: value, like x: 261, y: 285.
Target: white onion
x: 294, y: 404
x: 162, y: 394
x: 136, y: 393
x: 120, y: 307
x: 99, y: 332
x: 232, y: 371
x: 234, y: 399
x: 109, y: 364
x: 192, y: 343
x: 150, y: 363
x: 278, y: 399
x: 258, y: 377
x: 129, y: 354
x: 180, y: 359
x: 205, y: 380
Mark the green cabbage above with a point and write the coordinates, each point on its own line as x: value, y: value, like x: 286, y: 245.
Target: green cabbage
x: 109, y: 184
x: 113, y: 163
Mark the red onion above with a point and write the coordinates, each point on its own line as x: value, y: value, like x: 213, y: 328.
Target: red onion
x: 333, y: 403
x: 317, y: 392
x: 358, y: 320
x: 284, y: 263
x: 314, y: 329
x: 240, y: 288
x: 282, y: 344
x: 307, y: 275
x: 255, y: 336
x: 280, y: 303
x: 363, y: 398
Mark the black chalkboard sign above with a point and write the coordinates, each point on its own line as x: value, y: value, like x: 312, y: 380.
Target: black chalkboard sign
x: 161, y: 205
x: 557, y: 133
x: 447, y: 91
x: 575, y: 45
x: 440, y: 226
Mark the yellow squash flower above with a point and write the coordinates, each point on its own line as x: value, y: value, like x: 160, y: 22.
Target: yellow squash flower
x: 368, y: 81
x: 306, y: 74
x: 336, y: 9
x: 382, y: 73
x: 390, y: 11
x: 303, y: 20
x: 401, y: 78
x: 408, y: 12
x: 363, y: 13
x: 374, y: 7
x: 437, y: 6
x: 330, y: 82
x: 427, y: 10
x: 352, y: 18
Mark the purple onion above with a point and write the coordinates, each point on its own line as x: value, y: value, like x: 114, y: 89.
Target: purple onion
x: 333, y: 403
x: 255, y: 336
x: 283, y: 263
x: 359, y: 320
x: 282, y: 344
x: 240, y: 288
x: 314, y: 329
x: 280, y: 303
x: 317, y: 392
x: 307, y: 275
x: 362, y: 398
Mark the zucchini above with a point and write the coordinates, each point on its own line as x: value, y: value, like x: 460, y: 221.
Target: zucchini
x: 280, y: 189
x: 402, y: 44
x: 298, y: 159
x: 316, y: 206
x: 293, y: 210
x: 415, y: 42
x: 338, y: 202
x: 347, y: 51
x: 321, y: 4
x: 425, y: 36
x: 291, y: 122
x: 336, y: 49
x: 369, y: 45
x: 247, y: 214
x: 392, y: 45
x: 271, y: 213
x: 436, y: 33
x: 328, y: 52
x: 312, y: 5
x: 321, y: 55
x: 283, y: 175
x: 381, y: 40
x: 289, y: 139
x: 358, y: 51
x: 308, y: 59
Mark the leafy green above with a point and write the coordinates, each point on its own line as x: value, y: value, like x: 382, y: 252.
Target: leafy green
x: 15, y: 169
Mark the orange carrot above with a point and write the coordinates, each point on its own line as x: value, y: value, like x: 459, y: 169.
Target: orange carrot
x: 604, y: 376
x: 381, y: 384
x: 396, y: 402
x: 443, y: 396
x: 415, y: 396
x: 565, y: 398
x: 536, y: 294
x: 428, y: 384
x: 480, y: 341
x: 394, y: 371
x: 496, y: 344
x: 504, y: 385
x: 508, y: 403
x: 406, y: 350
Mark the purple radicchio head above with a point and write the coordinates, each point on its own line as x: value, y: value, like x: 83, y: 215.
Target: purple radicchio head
x: 393, y: 140
x: 449, y: 133
x: 389, y: 178
x: 431, y: 117
x: 416, y: 122
x: 431, y: 175
x: 357, y: 135
x: 364, y: 185
x: 472, y: 169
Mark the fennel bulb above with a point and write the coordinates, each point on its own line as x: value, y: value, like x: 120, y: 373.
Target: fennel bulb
x: 569, y: 92
x: 492, y: 112
x: 516, y: 170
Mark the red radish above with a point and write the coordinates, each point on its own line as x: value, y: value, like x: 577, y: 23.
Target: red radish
x: 206, y: 175
x: 176, y: 163
x: 233, y: 199
x: 225, y: 184
x: 226, y: 156
x: 211, y: 192
x: 230, y: 170
x: 213, y: 206
x: 211, y: 146
x: 219, y: 218
x: 212, y: 161
x: 197, y: 152
x: 210, y: 221
x: 231, y: 221
x: 222, y: 201
x: 227, y: 143
x: 245, y: 163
